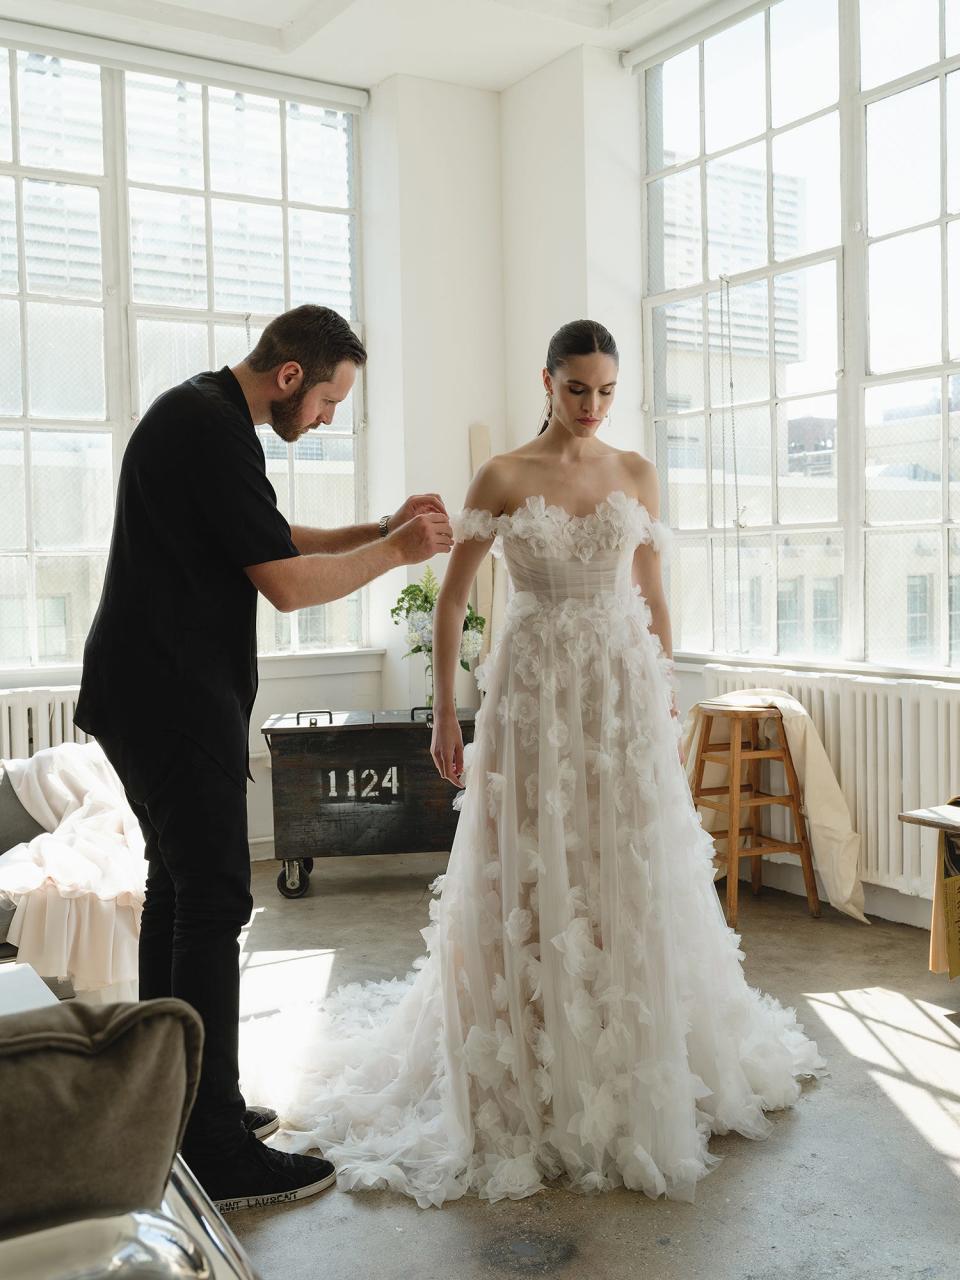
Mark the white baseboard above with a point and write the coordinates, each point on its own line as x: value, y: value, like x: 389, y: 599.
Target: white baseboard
x: 880, y: 901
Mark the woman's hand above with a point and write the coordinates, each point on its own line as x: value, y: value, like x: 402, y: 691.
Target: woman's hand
x: 447, y: 747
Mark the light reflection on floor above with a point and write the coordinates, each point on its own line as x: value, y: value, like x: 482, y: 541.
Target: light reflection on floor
x: 913, y: 1048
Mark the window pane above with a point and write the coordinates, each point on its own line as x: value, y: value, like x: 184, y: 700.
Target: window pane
x: 805, y: 329
x: 62, y: 239
x: 903, y: 134
x: 903, y: 451
x: 65, y: 361
x: 320, y: 260
x: 735, y: 84
x: 806, y: 188
x: 14, y: 631
x: 743, y: 586
x: 953, y: 143
x: 6, y: 133
x: 248, y: 256
x: 232, y: 344
x: 325, y: 488
x: 804, y: 58
x: 318, y: 154
x: 276, y: 454
x: 169, y: 352
x: 68, y: 592
x: 678, y: 356
x: 953, y: 27
x: 953, y: 287
x: 673, y: 110
x: 164, y: 130
x: 737, y: 212
x: 675, y: 256
x: 807, y: 460
x: 903, y: 584
x: 11, y: 368
x: 331, y: 626
x: 897, y: 36
x: 168, y: 248
x: 273, y: 629
x: 809, y: 598
x: 682, y: 457
x: 323, y: 477
x: 905, y: 301
x: 60, y: 116
x: 739, y: 344
x: 741, y: 454
x: 244, y: 143
x: 13, y: 528
x: 953, y: 598
x: 689, y: 588
x: 72, y: 484
x: 953, y: 389
x: 9, y: 267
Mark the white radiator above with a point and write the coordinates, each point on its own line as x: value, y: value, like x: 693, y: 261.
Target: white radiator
x: 893, y: 744
x: 31, y: 719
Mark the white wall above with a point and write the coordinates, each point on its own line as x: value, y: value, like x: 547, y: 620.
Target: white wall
x: 433, y: 308
x: 571, y: 227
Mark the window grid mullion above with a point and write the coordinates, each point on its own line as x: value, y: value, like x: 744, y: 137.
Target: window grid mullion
x: 855, y: 330
x: 30, y: 575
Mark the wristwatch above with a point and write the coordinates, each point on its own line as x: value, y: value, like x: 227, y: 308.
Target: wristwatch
x: 384, y: 520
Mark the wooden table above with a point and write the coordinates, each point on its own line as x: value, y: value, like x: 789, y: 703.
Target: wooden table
x: 945, y: 918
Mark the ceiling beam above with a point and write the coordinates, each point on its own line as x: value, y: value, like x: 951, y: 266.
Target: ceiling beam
x: 316, y: 16
x: 623, y: 12
x: 174, y: 15
x: 581, y: 13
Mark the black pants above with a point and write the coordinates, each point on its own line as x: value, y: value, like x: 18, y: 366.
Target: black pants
x: 194, y: 821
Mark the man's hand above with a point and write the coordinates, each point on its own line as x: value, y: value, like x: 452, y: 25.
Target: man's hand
x: 421, y: 504
x: 423, y: 537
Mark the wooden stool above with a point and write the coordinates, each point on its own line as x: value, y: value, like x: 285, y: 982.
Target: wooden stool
x: 744, y: 746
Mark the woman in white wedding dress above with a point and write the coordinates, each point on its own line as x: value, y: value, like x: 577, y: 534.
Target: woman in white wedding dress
x: 581, y: 1013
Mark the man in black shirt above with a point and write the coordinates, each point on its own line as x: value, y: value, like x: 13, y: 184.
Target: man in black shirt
x: 170, y: 675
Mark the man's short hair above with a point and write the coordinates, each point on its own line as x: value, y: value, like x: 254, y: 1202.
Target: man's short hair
x: 317, y: 338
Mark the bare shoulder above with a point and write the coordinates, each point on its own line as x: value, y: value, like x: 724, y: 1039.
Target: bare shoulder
x: 488, y: 488
x: 643, y: 476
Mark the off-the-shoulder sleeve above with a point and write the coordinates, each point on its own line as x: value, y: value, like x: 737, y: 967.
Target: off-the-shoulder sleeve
x: 661, y: 537
x: 471, y: 523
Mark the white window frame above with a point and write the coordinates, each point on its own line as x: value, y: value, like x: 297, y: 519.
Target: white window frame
x: 120, y: 311
x: 854, y: 378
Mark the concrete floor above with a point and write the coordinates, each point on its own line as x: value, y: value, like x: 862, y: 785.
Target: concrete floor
x: 859, y: 1180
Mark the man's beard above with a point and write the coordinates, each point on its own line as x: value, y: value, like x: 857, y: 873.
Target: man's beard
x: 285, y: 414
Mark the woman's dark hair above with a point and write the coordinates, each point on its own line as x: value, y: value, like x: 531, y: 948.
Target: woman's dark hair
x: 579, y: 338
x: 317, y: 338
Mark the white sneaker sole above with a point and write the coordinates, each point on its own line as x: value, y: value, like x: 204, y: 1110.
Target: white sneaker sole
x: 265, y: 1130
x: 279, y: 1197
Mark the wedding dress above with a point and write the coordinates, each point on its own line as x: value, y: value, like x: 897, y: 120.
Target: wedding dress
x: 581, y: 1012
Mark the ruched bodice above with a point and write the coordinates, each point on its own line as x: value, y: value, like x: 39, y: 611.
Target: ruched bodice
x: 559, y: 557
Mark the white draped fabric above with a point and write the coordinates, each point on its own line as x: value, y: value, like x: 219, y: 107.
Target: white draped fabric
x: 79, y: 888
x: 581, y: 1012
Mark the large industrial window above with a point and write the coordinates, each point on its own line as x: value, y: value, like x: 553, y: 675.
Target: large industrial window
x: 149, y: 227
x: 802, y: 329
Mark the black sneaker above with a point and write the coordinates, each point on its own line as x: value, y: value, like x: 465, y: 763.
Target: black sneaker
x: 259, y: 1177
x: 260, y: 1122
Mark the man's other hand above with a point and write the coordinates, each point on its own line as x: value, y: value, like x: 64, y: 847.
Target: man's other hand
x: 421, y: 504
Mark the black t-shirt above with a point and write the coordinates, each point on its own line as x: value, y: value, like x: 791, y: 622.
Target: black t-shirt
x: 174, y: 641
